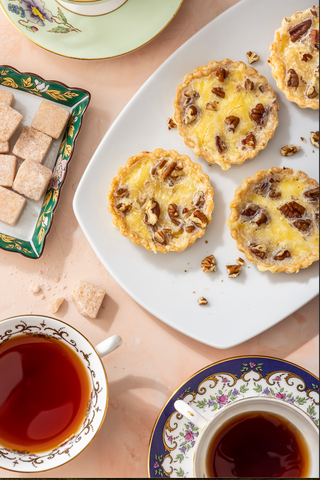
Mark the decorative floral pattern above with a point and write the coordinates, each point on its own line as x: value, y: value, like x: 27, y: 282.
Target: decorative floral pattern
x: 77, y: 100
x: 35, y: 12
x: 12, y: 243
x: 212, y: 389
x: 17, y: 459
x: 58, y: 173
x: 17, y: 10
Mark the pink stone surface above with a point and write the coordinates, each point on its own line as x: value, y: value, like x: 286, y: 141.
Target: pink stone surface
x: 154, y: 359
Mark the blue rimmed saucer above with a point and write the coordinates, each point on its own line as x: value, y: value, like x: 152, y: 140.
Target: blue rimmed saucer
x: 173, y: 437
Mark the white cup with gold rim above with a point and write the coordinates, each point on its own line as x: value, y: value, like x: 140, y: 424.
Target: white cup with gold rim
x: 91, y: 8
x: 291, y: 413
x: 90, y: 356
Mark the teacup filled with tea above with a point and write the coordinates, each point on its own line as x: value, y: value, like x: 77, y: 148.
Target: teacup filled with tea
x: 54, y: 392
x: 255, y: 437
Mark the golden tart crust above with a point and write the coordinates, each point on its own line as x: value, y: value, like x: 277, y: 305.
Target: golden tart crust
x: 161, y: 200
x: 226, y: 111
x: 275, y: 220
x: 294, y: 58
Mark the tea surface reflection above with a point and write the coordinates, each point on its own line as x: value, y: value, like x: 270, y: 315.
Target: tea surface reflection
x: 44, y: 393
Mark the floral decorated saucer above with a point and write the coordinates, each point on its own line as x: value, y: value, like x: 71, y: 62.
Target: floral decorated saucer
x: 28, y: 236
x: 173, y: 437
x: 53, y: 26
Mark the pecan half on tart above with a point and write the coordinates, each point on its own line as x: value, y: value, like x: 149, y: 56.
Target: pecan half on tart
x: 226, y: 111
x: 294, y: 58
x: 275, y: 220
x: 161, y: 200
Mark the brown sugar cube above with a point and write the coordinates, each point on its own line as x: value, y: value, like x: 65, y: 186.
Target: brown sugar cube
x: 11, y: 205
x: 32, y: 179
x: 55, y: 304
x: 32, y: 145
x: 6, y: 97
x: 50, y: 119
x: 34, y: 288
x: 88, y: 299
x: 10, y: 120
x: 8, y: 165
x: 4, y: 147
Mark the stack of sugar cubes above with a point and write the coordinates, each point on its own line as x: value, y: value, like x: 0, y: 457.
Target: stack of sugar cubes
x: 32, y: 178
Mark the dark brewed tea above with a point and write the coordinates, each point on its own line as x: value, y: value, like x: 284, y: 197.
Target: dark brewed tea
x: 44, y: 393
x: 257, y: 444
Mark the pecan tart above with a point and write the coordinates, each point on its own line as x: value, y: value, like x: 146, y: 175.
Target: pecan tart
x: 294, y: 58
x: 226, y: 111
x: 275, y: 220
x: 161, y: 200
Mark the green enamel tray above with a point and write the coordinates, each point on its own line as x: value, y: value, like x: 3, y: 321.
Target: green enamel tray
x: 53, y: 27
x: 28, y: 236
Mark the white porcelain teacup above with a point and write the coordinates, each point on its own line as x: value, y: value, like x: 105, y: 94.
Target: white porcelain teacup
x: 92, y: 8
x: 90, y: 356
x: 291, y: 413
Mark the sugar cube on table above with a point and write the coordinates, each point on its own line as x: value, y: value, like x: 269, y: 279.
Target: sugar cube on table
x: 88, y: 299
x: 8, y: 165
x: 10, y: 120
x: 32, y: 179
x: 34, y: 288
x: 4, y: 147
x: 6, y: 97
x: 32, y: 145
x: 55, y: 304
x: 11, y: 205
x: 50, y: 119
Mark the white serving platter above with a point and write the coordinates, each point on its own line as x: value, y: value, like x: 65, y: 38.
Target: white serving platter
x: 169, y: 285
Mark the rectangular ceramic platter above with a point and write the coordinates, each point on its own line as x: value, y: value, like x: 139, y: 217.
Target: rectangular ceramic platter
x: 28, y: 105
x: 239, y: 308
x: 29, y: 233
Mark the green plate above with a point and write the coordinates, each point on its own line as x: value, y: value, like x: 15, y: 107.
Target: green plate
x: 28, y: 236
x: 49, y: 25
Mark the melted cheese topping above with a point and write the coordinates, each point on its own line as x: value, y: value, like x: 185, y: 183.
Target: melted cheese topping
x: 278, y: 233
x: 143, y: 186
x: 291, y: 53
x: 237, y: 102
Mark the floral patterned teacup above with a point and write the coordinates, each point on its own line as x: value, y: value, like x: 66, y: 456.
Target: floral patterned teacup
x: 92, y: 7
x: 297, y: 417
x: 25, y: 461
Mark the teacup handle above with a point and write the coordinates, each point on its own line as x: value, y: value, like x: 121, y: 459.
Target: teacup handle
x: 188, y: 412
x: 109, y: 345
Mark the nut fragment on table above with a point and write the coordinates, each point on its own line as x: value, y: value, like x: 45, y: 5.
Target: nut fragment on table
x: 240, y: 261
x: 233, y: 270
x: 289, y: 150
x: 55, y: 304
x: 171, y: 123
x: 252, y: 57
x: 314, y: 139
x: 202, y: 301
x: 208, y: 264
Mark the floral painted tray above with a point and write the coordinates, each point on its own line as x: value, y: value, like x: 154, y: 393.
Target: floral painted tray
x: 29, y: 234
x: 173, y: 437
